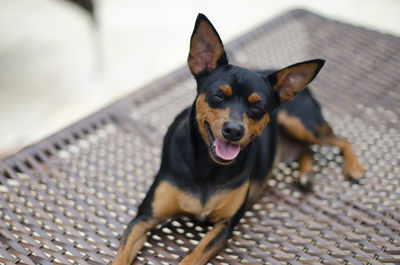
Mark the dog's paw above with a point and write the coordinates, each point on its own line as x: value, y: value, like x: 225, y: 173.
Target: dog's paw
x: 354, y: 172
x: 356, y: 180
x: 306, y: 182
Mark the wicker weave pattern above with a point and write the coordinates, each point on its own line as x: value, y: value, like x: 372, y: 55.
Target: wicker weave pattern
x: 67, y: 199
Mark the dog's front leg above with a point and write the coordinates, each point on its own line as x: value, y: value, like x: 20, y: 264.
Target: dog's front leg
x: 211, y: 243
x: 214, y: 240
x: 160, y: 204
x: 134, y: 239
x: 134, y: 235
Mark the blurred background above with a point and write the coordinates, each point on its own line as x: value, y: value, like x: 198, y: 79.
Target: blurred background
x: 59, y: 63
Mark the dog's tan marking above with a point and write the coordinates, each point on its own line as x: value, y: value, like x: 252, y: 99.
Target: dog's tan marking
x: 256, y: 127
x: 135, y: 241
x: 169, y: 200
x: 214, y: 117
x: 253, y: 128
x: 253, y: 98
x: 166, y: 200
x: 295, y: 128
x: 226, y: 89
x: 226, y: 204
x: 202, y: 253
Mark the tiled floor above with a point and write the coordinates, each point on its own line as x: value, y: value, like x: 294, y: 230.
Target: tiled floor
x: 55, y: 68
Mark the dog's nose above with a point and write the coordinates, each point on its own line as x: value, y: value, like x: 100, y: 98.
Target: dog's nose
x: 232, y: 131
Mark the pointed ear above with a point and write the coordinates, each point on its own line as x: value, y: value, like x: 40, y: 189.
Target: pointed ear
x: 206, y: 48
x: 289, y: 81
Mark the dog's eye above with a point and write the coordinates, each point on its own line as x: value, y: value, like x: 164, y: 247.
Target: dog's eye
x: 256, y: 111
x: 219, y: 97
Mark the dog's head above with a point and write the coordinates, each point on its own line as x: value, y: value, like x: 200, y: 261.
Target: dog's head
x: 234, y: 104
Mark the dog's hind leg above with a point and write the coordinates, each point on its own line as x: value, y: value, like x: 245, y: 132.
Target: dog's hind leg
x: 294, y: 127
x: 353, y: 169
x: 306, y: 176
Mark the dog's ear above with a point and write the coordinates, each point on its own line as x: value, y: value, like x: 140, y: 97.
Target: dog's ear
x: 206, y: 48
x: 289, y: 81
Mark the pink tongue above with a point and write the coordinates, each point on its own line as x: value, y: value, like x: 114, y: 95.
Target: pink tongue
x: 225, y: 150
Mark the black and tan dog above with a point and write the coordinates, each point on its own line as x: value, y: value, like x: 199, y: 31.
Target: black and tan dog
x: 218, y: 153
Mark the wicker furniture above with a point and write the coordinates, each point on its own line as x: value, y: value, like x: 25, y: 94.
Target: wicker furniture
x: 66, y: 199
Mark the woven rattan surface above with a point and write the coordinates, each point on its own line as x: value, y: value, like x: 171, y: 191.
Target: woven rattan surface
x: 67, y: 199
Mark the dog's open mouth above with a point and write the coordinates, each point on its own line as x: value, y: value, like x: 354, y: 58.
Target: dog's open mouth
x: 221, y: 151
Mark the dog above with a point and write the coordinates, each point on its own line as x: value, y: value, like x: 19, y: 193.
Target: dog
x: 219, y: 152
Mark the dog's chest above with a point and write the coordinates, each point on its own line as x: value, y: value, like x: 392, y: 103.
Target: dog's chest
x: 222, y: 204
x: 191, y: 203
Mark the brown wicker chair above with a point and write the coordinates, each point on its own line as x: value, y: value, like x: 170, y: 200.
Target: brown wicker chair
x: 67, y: 199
